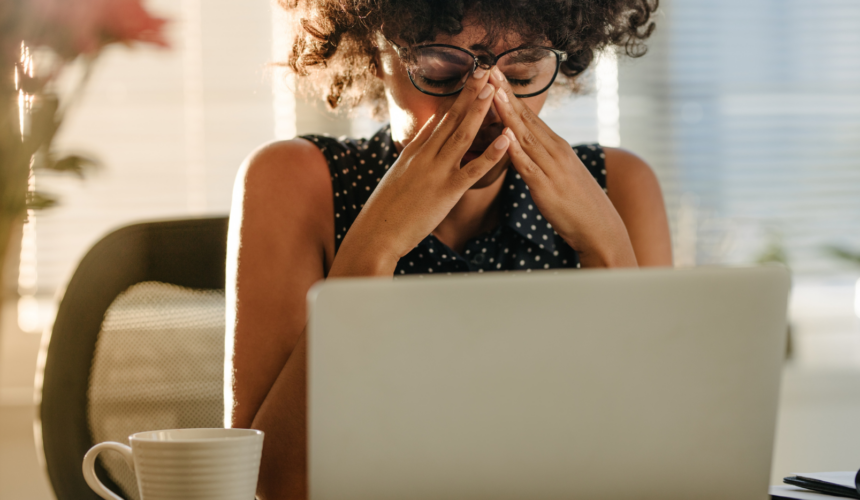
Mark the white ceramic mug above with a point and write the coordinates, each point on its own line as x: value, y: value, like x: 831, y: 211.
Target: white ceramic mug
x: 187, y: 464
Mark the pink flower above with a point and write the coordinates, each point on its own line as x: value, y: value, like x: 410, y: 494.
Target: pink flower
x: 73, y: 27
x: 127, y: 21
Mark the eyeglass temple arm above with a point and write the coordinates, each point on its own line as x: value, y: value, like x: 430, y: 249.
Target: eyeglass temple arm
x: 402, y: 52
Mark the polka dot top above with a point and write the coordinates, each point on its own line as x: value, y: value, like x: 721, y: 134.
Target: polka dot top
x: 523, y: 240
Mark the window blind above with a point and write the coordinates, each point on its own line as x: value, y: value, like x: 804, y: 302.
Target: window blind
x: 750, y: 114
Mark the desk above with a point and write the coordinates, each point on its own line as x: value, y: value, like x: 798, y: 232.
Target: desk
x: 819, y: 411
x: 816, y: 427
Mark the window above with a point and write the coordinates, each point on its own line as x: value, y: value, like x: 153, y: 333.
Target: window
x: 171, y: 128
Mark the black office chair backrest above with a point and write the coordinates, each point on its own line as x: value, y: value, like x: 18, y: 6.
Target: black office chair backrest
x: 138, y: 344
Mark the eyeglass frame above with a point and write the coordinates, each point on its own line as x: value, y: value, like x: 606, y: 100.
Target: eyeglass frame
x: 403, y: 54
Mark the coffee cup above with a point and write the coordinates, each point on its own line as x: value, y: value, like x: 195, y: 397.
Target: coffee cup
x: 187, y: 464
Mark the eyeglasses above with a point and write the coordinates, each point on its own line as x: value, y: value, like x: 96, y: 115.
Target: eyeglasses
x: 441, y: 70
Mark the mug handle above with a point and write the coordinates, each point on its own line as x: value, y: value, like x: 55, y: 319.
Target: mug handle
x: 90, y: 467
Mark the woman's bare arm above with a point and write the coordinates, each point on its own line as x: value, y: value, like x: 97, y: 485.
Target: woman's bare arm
x: 635, y: 193
x: 281, y: 241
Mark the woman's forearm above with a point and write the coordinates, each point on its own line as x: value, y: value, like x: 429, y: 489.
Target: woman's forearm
x: 362, y: 255
x: 283, y: 417
x: 283, y: 414
x: 611, y: 247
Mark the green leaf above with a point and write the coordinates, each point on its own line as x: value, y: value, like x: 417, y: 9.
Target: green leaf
x: 44, y: 123
x: 774, y: 250
x: 71, y: 164
x: 39, y: 201
x: 31, y: 84
x: 843, y: 253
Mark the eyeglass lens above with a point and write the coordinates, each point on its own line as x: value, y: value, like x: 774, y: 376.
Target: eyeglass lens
x: 441, y: 70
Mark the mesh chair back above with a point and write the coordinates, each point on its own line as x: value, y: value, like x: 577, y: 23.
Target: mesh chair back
x: 138, y: 344
x: 158, y: 364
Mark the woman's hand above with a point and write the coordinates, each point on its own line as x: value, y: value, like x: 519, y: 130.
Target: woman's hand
x: 563, y: 189
x: 422, y: 186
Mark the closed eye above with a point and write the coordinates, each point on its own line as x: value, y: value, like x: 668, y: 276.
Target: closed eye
x: 438, y: 83
x: 519, y: 82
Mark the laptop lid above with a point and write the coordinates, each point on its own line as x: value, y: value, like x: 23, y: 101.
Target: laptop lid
x: 569, y: 384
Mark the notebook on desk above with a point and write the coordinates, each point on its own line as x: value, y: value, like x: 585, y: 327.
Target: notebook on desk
x: 652, y: 384
x: 844, y: 484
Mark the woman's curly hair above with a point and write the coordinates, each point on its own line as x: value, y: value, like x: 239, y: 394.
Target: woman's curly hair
x: 334, y: 45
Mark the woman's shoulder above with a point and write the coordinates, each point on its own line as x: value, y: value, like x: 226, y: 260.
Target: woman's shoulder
x: 284, y: 178
x: 282, y: 203
x: 634, y: 191
x: 626, y: 178
x: 615, y: 168
x: 283, y: 154
x: 285, y: 164
x: 626, y: 171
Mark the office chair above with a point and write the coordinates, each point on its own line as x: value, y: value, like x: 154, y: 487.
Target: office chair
x: 138, y: 344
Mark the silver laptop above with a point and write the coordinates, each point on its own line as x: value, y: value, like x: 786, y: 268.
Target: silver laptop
x: 653, y: 384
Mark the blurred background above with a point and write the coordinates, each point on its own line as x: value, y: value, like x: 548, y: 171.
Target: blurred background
x: 749, y: 112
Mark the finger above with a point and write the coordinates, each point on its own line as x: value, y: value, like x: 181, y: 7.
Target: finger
x: 431, y: 124
x: 530, y: 171
x: 497, y: 78
x: 477, y: 168
x: 462, y: 137
x: 532, y: 133
x: 528, y: 139
x: 455, y: 114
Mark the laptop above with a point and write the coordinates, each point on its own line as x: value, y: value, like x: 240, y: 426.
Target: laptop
x: 604, y: 384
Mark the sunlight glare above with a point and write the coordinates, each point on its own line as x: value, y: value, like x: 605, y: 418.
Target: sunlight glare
x: 608, y: 109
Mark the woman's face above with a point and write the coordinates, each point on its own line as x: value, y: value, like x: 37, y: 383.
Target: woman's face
x: 409, y: 108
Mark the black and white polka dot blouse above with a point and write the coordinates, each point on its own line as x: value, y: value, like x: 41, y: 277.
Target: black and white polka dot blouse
x: 523, y: 240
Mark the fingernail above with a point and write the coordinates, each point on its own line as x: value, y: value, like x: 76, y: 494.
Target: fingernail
x: 485, y: 93
x: 498, y: 74
x: 510, y: 133
x: 479, y: 73
x: 502, y: 94
x: 501, y: 142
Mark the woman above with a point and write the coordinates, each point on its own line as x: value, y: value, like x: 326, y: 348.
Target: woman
x: 465, y: 178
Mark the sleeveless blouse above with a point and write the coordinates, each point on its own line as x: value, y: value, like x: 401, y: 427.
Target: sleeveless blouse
x: 523, y: 240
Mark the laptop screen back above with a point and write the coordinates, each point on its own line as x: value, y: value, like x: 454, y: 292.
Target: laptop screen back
x: 576, y: 384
